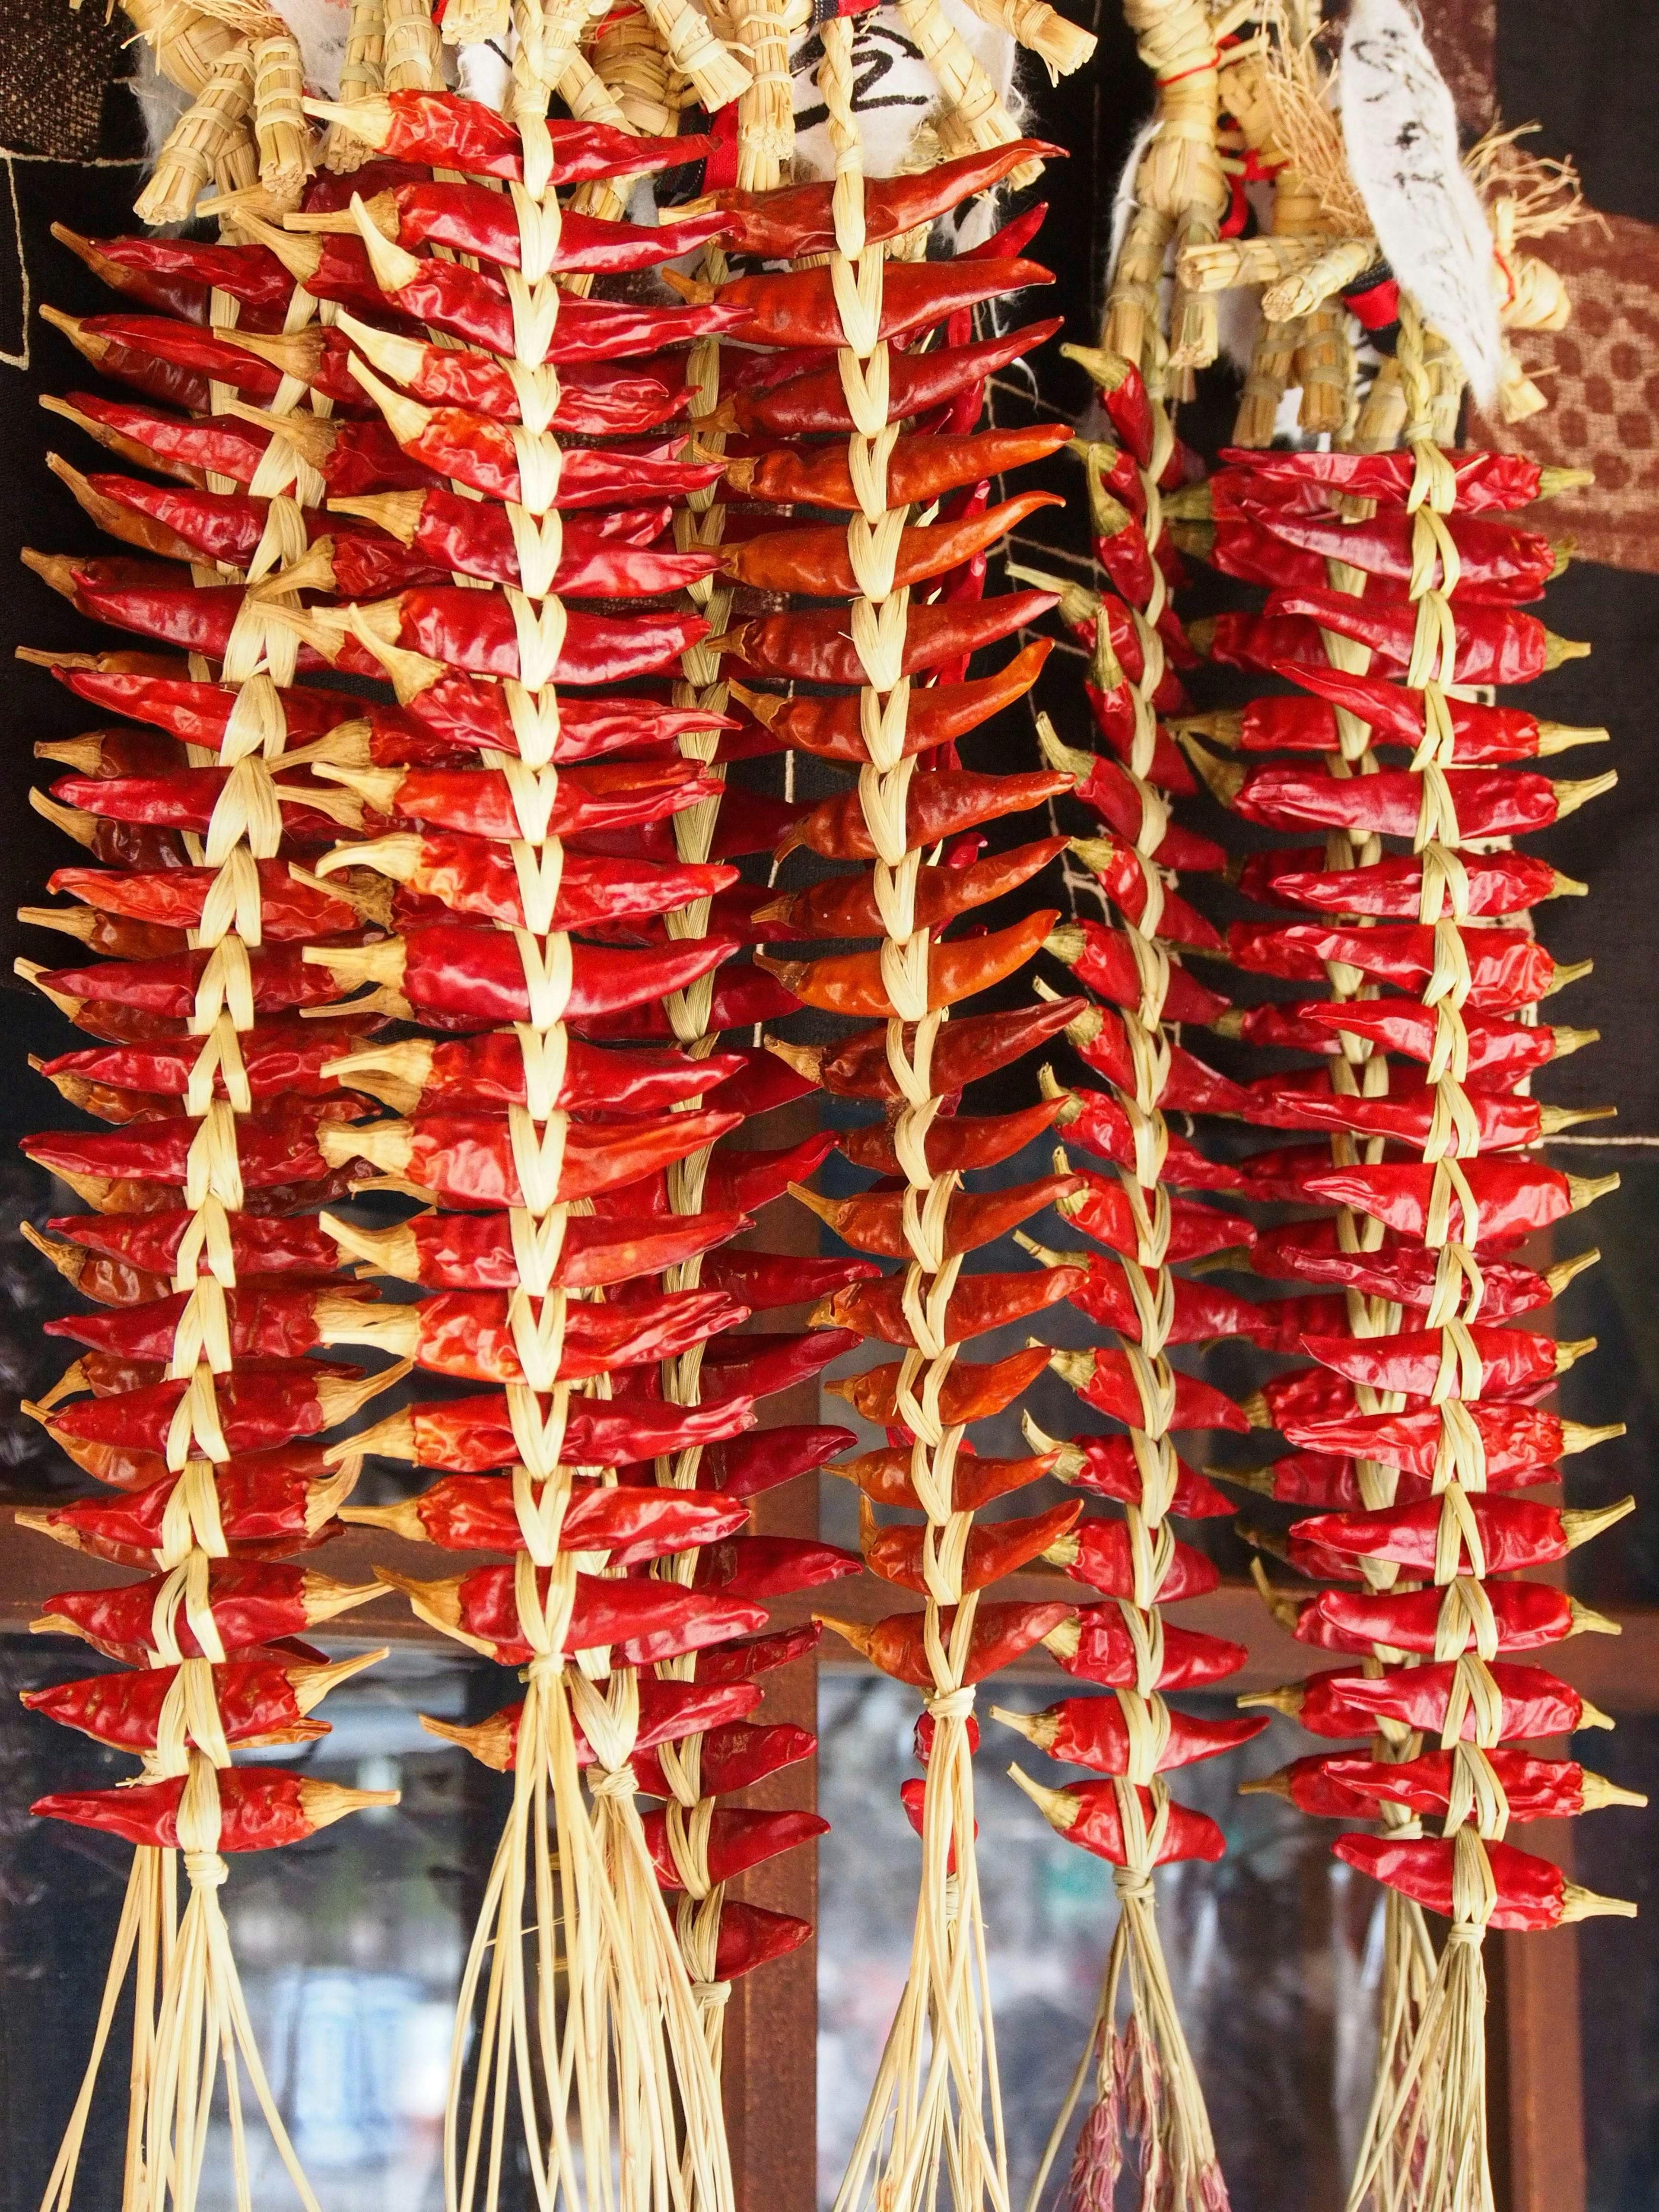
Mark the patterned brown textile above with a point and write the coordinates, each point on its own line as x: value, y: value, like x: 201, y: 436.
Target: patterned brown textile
x: 55, y: 77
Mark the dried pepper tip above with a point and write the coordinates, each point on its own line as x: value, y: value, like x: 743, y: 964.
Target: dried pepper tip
x: 1040, y: 1728
x: 1289, y: 1699
x: 1552, y: 1120
x: 1570, y: 1352
x: 859, y: 1634
x: 1572, y: 793
x: 1576, y: 1437
x: 1582, y: 1190
x: 1558, y: 650
x: 1561, y: 737
x: 1068, y: 1461
x: 1596, y: 1793
x: 1107, y: 371
x: 1223, y: 780
x: 312, y: 1684
x: 1586, y: 1622
x: 1262, y: 1785
x: 1578, y: 1904
x: 1583, y: 1525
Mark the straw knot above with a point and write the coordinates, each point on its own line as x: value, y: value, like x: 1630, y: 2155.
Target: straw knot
x: 953, y: 1704
x: 612, y: 1782
x: 206, y: 1869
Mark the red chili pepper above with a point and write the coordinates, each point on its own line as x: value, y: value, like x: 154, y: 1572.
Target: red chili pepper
x: 745, y: 1465
x: 1087, y: 1813
x: 475, y: 1251
x: 1104, y: 1379
x: 1489, y: 802
x: 184, y: 349
x: 274, y: 1149
x: 955, y: 1142
x: 1403, y: 1274
x: 642, y: 1622
x: 1116, y: 867
x: 767, y: 1280
x: 474, y: 876
x: 1103, y: 958
x: 475, y: 537
x: 260, y: 1701
x: 1513, y: 1197
x: 1102, y: 1125
x: 1481, y: 733
x: 874, y: 1221
x: 1507, y: 968
x: 752, y: 1178
x: 260, y: 1244
x: 936, y: 806
x: 1535, y: 1789
x: 289, y: 906
x: 183, y: 268
x: 854, y: 983
x: 475, y: 1513
x: 470, y: 1157
x: 898, y: 1554
x: 472, y: 219
x: 785, y: 225
x: 918, y: 382
x: 184, y: 799
x: 258, y: 1408
x: 817, y: 647
x: 260, y: 1808
x: 966, y: 1048
x: 472, y: 1436
x: 1312, y: 1786
x: 471, y: 1333
x: 751, y: 1936
x: 967, y: 1393
x: 1108, y: 1467
x: 732, y: 1757
x: 476, y: 631
x: 265, y: 1501
x: 845, y: 906
x: 1484, y: 480
x: 1534, y: 1703
x: 814, y: 559
x: 740, y: 1661
x: 938, y: 715
x: 1497, y: 883
x: 168, y: 986
x: 885, y: 1477
x: 444, y: 130
x: 279, y: 1324
x: 252, y: 1604
x: 1103, y: 1209
x: 179, y: 448
x: 351, y: 458
x: 771, y: 1566
x: 1514, y: 1533
x: 1516, y: 1438
x: 1000, y: 1634
x: 1199, y: 1311
x: 735, y: 1841
x: 1100, y: 1552
x: 1101, y: 1041
x: 1531, y: 1891
x: 1527, y: 1615
x: 799, y: 307
x: 1093, y: 1732
x: 1096, y: 1646
x: 1501, y: 1120
x: 920, y: 469
x: 668, y: 1712
x: 1495, y: 645
x: 419, y: 1074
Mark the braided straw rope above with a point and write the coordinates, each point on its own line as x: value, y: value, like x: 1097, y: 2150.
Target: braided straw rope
x: 935, y: 2104
x: 1178, y: 2155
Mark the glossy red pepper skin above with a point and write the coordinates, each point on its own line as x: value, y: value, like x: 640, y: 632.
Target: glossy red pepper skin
x: 245, y: 272
x: 970, y: 1393
x: 472, y: 219
x: 476, y: 450
x: 1530, y: 1616
x: 168, y: 986
x: 252, y: 1604
x: 474, y: 1436
x: 257, y: 1410
x: 967, y: 1047
x: 642, y: 1622
x: 1097, y: 1826
x: 255, y: 1697
x: 469, y: 1158
x: 732, y: 1756
x: 275, y: 1149
x: 919, y: 469
x: 799, y: 308
x: 955, y: 1142
x: 1481, y: 733
x: 475, y: 537
x: 845, y: 906
x: 770, y: 1566
x: 1531, y: 1891
x: 1108, y: 966
x: 1490, y: 802
x: 1189, y: 1085
x: 475, y: 631
x: 173, y: 898
x: 259, y: 1809
x: 1513, y: 1197
x: 444, y: 130
x: 275, y: 1324
x: 1516, y: 1438
x: 198, y: 713
x: 744, y: 1467
x: 1200, y: 1310
x: 601, y: 398
x: 1403, y: 1273
x: 1101, y: 1126
x: 475, y: 1251
x: 737, y: 1840
x: 938, y: 714
x: 468, y: 1073
x: 476, y: 876
x: 896, y: 1554
x: 1484, y: 480
x: 918, y: 382
x: 1509, y: 969
x: 1514, y: 1533
x: 1001, y: 1633
x: 1102, y: 1210
x: 265, y: 1507
x: 475, y: 1513
x: 1534, y: 1703
x: 1103, y: 1651
x: 453, y: 968
x: 184, y: 798
x: 260, y: 1244
x: 1495, y: 1046
x: 937, y: 806
x: 1498, y: 884
x: 854, y: 982
x: 1501, y: 1120
x: 816, y: 646
x: 590, y: 799
x: 1536, y: 1788
x: 1495, y: 645
x: 171, y: 445
x: 812, y: 559
x: 1092, y: 1732
x: 469, y: 1334
x: 1111, y: 1389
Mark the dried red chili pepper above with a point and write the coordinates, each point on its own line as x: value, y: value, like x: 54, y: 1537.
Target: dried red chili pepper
x: 1514, y: 1533
x: 475, y: 537
x: 260, y: 1701
x: 444, y: 130
x: 184, y: 798
x: 1528, y: 1616
x: 1495, y: 645
x: 1489, y: 802
x: 470, y: 875
x: 1481, y: 733
x: 423, y: 1073
x: 1104, y: 1378
x: 1501, y: 1120
x: 799, y: 307
x: 173, y: 447
x: 1513, y: 1048
x: 845, y: 906
x: 1507, y: 968
x: 184, y: 268
x: 742, y: 1467
x: 1403, y: 1273
x: 1483, y: 481
x: 473, y: 1436
x: 1533, y: 1703
x: 1102, y: 1208
x: 898, y: 1554
x: 668, y: 1710
x: 258, y: 1408
x: 855, y: 983
x: 260, y: 1244
x: 732, y: 1756
x: 642, y: 1622
x: 278, y: 1324
x: 251, y: 1604
x: 1096, y: 1645
x: 1102, y: 1125
x: 1313, y: 1787
x: 1108, y: 1467
x: 1497, y: 883
x: 953, y: 1142
x: 817, y: 647
x: 885, y: 1477
x: 753, y: 1179
x: 1000, y: 1633
x: 264, y: 1500
x: 1105, y: 959
x: 813, y: 559
x: 1498, y: 562
x: 579, y: 801
x: 1117, y: 867
x: 483, y: 975
x: 290, y: 905
x: 1532, y: 1892
x: 938, y: 714
x: 1515, y: 1438
x: 1101, y: 1553
x: 276, y: 1147
x: 1534, y: 1788
x: 478, y: 631
x: 477, y: 1513
x: 1513, y: 1197
x: 770, y: 1566
x: 1101, y: 1039
x: 471, y: 1157
x: 966, y: 1048
x: 472, y: 219
x: 919, y: 469
x: 735, y: 1841
x: 1087, y: 1813
x: 184, y: 356
x: 260, y: 1808
x: 874, y: 1221
x: 967, y: 1395
x: 1108, y: 1295
x: 475, y: 1251
x: 1093, y: 1732
x: 751, y: 1936
x: 917, y: 381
